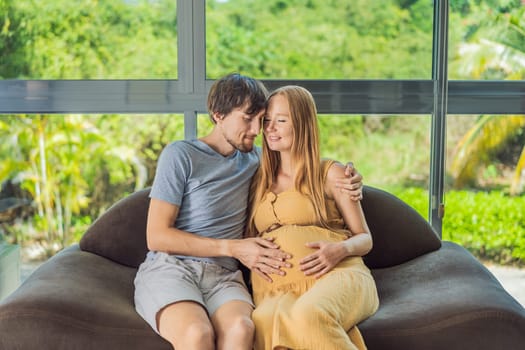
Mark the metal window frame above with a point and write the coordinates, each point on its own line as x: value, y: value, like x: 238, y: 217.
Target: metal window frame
x: 187, y: 94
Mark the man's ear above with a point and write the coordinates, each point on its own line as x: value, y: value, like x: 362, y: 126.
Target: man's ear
x: 217, y: 116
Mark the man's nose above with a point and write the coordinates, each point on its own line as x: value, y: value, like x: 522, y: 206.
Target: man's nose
x: 256, y: 126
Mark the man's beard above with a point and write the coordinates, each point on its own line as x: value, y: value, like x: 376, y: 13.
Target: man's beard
x: 240, y: 146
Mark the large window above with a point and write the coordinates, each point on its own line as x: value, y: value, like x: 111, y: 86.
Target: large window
x: 392, y: 78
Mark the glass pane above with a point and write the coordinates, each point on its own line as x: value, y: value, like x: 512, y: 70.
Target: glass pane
x: 487, y: 40
x: 320, y: 39
x: 204, y: 125
x: 391, y: 152
x: 60, y: 172
x: 484, y: 201
x: 106, y: 39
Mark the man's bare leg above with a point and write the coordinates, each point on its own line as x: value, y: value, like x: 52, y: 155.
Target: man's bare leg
x: 186, y: 326
x: 234, y: 326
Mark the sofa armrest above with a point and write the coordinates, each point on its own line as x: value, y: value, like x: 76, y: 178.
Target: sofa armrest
x: 76, y: 300
x: 445, y: 299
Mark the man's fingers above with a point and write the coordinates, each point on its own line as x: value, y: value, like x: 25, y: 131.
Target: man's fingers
x: 345, y: 186
x: 272, y: 250
x: 276, y: 254
x: 262, y: 274
x: 269, y: 269
x: 267, y: 243
x: 349, y: 169
x: 273, y: 262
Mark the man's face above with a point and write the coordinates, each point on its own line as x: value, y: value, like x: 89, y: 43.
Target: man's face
x: 240, y: 129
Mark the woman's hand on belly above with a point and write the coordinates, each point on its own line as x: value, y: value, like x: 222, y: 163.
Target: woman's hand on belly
x: 326, y: 256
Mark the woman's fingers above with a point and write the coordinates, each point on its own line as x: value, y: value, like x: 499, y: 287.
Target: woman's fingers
x: 311, y: 264
x: 322, y: 272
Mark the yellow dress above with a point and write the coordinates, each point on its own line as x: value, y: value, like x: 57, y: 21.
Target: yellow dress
x: 297, y: 311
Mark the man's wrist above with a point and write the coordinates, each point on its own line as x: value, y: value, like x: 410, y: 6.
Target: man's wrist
x: 229, y: 247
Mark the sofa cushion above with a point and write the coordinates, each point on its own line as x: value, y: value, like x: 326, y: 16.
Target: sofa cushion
x: 399, y: 233
x: 120, y: 233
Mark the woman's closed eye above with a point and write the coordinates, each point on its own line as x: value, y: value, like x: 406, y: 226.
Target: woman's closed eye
x: 277, y: 120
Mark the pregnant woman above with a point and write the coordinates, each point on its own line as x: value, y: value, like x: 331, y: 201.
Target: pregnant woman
x: 296, y: 202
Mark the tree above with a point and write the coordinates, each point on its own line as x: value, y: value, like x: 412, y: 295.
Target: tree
x: 496, y: 51
x: 319, y: 39
x: 90, y: 39
x: 47, y: 154
x: 479, y: 145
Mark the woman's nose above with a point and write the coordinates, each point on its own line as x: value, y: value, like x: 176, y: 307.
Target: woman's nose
x: 269, y: 125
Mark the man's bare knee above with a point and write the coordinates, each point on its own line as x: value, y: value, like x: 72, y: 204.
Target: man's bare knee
x: 186, y: 326
x: 200, y: 336
x: 196, y: 335
x: 237, y: 334
x: 234, y: 326
x: 242, y: 326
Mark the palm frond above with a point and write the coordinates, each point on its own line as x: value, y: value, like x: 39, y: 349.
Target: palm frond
x: 487, y: 136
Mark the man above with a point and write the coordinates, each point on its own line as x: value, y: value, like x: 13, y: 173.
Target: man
x: 190, y: 288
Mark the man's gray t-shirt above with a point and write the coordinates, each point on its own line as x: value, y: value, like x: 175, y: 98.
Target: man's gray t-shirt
x: 210, y: 189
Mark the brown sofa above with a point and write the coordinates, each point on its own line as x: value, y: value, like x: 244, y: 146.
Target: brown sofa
x: 433, y: 294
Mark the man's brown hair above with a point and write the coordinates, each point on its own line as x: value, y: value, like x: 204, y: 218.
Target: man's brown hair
x: 234, y: 91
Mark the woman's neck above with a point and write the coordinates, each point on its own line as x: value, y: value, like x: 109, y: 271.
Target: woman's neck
x: 286, y: 167
x: 285, y: 175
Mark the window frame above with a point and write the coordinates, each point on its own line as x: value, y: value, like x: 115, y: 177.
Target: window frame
x: 187, y: 94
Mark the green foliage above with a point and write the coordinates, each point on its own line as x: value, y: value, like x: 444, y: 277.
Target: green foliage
x: 49, y: 155
x: 75, y: 167
x: 478, y: 146
x: 491, y: 225
x: 318, y: 39
x: 416, y: 197
x: 89, y: 39
x: 493, y: 47
x: 13, y: 63
x: 381, y: 146
x: 490, y: 45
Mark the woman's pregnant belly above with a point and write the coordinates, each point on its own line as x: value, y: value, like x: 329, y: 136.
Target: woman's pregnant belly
x: 292, y: 239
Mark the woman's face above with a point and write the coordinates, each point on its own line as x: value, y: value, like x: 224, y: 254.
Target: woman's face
x: 277, y: 124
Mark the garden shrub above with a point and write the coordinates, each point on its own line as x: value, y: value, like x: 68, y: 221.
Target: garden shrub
x: 491, y: 225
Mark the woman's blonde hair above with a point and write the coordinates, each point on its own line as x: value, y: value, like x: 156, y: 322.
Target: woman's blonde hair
x: 305, y: 155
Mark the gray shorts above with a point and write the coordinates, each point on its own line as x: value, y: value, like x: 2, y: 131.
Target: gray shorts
x: 164, y: 279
